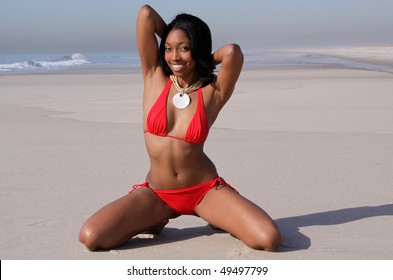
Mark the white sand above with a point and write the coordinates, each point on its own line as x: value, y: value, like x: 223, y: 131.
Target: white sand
x: 314, y: 148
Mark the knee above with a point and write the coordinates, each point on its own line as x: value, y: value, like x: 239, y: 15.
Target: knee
x: 266, y: 240
x: 89, y: 237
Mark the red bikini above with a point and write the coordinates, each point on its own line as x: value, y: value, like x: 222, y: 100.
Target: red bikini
x: 184, y: 200
x: 156, y: 122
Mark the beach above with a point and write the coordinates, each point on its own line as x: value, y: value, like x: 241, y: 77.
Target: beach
x: 313, y: 146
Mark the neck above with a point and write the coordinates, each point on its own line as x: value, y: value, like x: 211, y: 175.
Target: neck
x: 185, y: 82
x: 196, y: 85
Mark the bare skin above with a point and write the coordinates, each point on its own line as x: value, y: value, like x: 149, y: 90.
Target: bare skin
x: 175, y: 163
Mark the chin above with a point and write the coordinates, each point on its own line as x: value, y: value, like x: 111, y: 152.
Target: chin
x: 178, y: 74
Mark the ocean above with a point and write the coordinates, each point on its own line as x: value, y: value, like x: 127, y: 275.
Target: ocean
x: 130, y: 63
x: 70, y: 63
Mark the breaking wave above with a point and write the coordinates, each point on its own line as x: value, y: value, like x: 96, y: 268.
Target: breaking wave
x: 60, y: 63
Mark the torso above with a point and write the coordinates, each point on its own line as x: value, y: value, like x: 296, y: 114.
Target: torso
x: 175, y: 163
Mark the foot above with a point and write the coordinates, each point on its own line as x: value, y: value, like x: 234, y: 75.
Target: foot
x: 215, y: 228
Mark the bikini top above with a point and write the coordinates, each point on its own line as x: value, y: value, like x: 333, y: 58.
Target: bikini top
x: 156, y: 122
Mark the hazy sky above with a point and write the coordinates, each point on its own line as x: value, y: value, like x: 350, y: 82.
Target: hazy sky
x: 69, y: 26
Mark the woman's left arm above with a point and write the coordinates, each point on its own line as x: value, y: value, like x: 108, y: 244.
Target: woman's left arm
x: 231, y: 59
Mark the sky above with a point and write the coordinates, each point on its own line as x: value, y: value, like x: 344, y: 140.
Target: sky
x: 87, y: 26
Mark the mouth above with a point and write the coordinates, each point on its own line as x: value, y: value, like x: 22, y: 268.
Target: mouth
x: 177, y: 67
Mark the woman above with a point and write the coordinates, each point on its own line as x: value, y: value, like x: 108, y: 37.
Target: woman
x: 182, y: 98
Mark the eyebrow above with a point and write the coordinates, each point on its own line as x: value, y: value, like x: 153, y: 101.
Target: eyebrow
x: 180, y: 43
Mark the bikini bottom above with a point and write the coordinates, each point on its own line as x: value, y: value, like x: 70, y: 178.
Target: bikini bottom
x: 185, y: 200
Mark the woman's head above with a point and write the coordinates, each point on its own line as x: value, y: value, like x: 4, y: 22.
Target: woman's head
x: 199, y: 44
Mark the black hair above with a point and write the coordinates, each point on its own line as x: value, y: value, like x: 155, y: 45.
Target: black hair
x: 201, y: 45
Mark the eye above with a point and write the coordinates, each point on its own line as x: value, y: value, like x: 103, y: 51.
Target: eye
x: 184, y: 49
x: 168, y: 49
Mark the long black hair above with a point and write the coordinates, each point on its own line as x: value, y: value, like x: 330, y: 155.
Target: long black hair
x: 201, y: 45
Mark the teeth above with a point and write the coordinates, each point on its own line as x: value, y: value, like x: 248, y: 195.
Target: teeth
x: 177, y: 67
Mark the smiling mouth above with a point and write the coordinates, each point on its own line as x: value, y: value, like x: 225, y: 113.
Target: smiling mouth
x: 177, y: 67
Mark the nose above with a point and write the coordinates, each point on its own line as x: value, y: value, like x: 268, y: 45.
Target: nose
x: 175, y: 55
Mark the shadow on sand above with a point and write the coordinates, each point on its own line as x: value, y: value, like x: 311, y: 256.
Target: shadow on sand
x: 168, y: 235
x: 295, y: 240
x: 289, y: 227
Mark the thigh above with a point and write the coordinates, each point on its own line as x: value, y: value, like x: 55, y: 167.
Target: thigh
x: 228, y: 210
x: 123, y: 218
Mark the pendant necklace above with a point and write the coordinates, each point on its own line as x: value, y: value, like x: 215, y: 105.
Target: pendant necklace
x: 181, y: 99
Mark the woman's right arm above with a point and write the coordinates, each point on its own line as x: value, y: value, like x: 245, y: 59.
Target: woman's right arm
x: 149, y: 24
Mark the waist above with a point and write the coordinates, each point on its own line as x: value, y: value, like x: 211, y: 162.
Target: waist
x: 176, y: 164
x: 170, y: 176
x: 176, y: 183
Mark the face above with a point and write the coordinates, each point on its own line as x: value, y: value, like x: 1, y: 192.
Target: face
x: 178, y: 55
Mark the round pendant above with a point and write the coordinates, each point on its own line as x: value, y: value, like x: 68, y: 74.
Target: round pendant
x: 181, y: 102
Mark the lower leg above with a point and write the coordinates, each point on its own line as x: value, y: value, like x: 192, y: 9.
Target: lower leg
x: 231, y: 212
x: 124, y: 218
x: 157, y: 229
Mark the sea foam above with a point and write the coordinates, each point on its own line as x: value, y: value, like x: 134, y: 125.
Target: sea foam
x: 52, y: 64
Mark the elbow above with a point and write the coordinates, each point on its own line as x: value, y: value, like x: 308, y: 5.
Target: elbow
x: 145, y: 10
x: 235, y: 48
x: 235, y: 53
